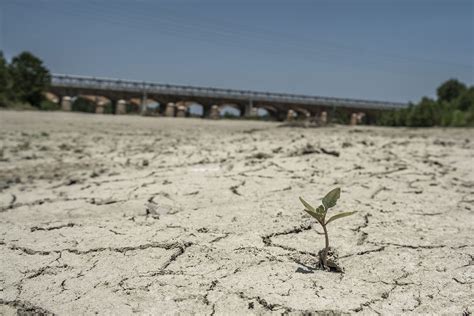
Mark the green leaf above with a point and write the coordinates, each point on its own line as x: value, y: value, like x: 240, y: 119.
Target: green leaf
x: 315, y: 215
x: 331, y: 198
x: 307, y: 205
x: 340, y: 215
x: 321, y: 211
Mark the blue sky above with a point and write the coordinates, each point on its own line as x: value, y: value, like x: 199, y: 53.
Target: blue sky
x: 372, y: 49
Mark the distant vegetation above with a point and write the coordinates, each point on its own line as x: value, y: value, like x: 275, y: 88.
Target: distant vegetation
x: 454, y: 106
x: 23, y: 81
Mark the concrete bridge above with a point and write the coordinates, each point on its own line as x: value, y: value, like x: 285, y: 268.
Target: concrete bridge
x: 178, y: 99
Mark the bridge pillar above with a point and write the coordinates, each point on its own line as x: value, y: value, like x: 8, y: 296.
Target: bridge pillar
x: 99, y: 109
x: 144, y: 104
x: 324, y: 118
x: 100, y: 105
x: 121, y: 107
x: 290, y: 115
x: 181, y: 110
x: 249, y: 110
x: 66, y: 103
x: 354, y: 119
x: 215, y: 112
x: 170, y: 109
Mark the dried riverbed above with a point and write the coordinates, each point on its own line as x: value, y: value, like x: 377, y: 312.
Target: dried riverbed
x: 121, y: 215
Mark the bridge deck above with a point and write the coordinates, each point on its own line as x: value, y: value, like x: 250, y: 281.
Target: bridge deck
x: 118, y: 85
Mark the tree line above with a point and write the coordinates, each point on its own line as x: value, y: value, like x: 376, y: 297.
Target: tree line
x: 454, y: 106
x: 23, y: 81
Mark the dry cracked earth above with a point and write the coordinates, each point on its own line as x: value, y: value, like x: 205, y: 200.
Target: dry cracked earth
x: 122, y: 215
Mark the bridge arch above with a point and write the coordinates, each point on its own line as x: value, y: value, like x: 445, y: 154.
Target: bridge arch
x: 301, y: 113
x: 231, y: 110
x: 92, y: 104
x: 134, y: 105
x: 264, y: 110
x: 51, y: 97
x: 184, y: 109
x: 195, y: 109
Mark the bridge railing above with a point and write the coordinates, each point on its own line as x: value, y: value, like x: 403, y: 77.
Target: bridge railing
x: 83, y: 82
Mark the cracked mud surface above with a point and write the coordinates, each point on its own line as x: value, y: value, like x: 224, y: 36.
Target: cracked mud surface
x: 122, y: 215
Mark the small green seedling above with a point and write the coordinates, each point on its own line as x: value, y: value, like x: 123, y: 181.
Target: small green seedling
x: 320, y: 214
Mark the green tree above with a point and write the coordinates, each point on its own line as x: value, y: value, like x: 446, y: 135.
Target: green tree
x: 426, y: 113
x: 401, y: 116
x: 83, y: 105
x: 458, y: 119
x: 450, y: 90
x: 454, y: 107
x: 5, y: 82
x: 30, y: 78
x: 466, y: 100
x: 386, y: 118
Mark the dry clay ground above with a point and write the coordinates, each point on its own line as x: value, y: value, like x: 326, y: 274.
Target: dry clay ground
x: 122, y: 215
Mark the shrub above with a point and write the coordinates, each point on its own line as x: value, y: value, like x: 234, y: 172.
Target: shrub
x: 83, y: 105
x: 47, y: 105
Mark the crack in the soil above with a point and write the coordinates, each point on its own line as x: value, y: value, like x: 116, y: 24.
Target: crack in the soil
x: 13, y: 199
x: 360, y: 253
x: 395, y: 283
x: 38, y: 202
x: 35, y: 228
x: 167, y: 246
x: 377, y: 191
x: 220, y: 237
x: 180, y: 250
x: 107, y: 201
x: 418, y: 246
x: 205, y: 297
x: 235, y: 187
x: 462, y: 282
x: 268, y: 242
x: 285, y: 310
x: 63, y: 286
x: 45, y: 270
x: 264, y: 304
x: 267, y: 239
x: 295, y: 230
x: 384, y: 173
x: 409, y: 246
x: 358, y: 229
x: 26, y: 308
